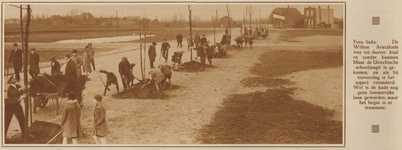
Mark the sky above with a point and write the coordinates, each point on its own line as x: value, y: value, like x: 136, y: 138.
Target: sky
x: 164, y: 11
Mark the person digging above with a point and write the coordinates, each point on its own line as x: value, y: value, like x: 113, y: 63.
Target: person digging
x: 157, y: 76
x: 167, y: 72
x: 111, y: 79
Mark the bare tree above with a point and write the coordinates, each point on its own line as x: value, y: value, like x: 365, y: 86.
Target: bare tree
x: 259, y: 13
x: 250, y: 12
x: 191, y: 33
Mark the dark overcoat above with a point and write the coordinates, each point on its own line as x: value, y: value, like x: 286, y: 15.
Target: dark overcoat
x: 125, y: 70
x: 70, y: 71
x: 34, y: 63
x: 16, y: 59
x: 152, y: 53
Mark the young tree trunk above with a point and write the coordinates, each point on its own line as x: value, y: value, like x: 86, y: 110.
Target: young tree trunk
x: 142, y: 71
x: 27, y: 100
x: 230, y: 26
x: 191, y: 33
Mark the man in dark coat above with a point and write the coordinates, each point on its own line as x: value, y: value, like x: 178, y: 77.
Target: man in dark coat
x: 152, y: 54
x: 210, y: 53
x: 16, y: 59
x: 201, y: 54
x: 165, y: 49
x: 111, y: 79
x: 13, y: 106
x: 197, y: 40
x: 70, y: 73
x: 203, y: 39
x: 125, y: 72
x: 179, y: 39
x: 34, y: 63
x: 55, y: 66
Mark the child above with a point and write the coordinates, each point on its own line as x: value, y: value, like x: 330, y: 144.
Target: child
x: 100, y: 128
x: 70, y: 120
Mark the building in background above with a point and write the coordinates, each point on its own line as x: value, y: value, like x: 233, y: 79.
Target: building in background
x: 318, y: 17
x: 84, y: 18
x: 286, y: 18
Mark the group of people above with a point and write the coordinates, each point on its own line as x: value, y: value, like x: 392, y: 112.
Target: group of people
x: 14, y: 94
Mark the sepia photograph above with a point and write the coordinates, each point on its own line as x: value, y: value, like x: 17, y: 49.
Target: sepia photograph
x: 173, y: 73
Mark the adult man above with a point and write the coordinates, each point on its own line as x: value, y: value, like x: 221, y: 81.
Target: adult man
x: 179, y: 40
x: 34, y: 63
x: 203, y: 39
x: 78, y: 62
x: 13, y: 106
x: 166, y: 70
x: 197, y: 40
x: 111, y: 79
x: 91, y: 54
x: 125, y: 72
x: 189, y: 42
x: 152, y: 54
x: 55, y: 66
x: 201, y: 54
x: 210, y: 53
x: 165, y: 49
x: 70, y: 73
x: 16, y: 59
x: 157, y: 76
x: 86, y: 61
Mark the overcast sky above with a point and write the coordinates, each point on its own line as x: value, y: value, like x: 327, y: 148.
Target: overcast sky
x: 163, y: 11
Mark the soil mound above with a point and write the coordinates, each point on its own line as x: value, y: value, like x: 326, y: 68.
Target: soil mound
x: 42, y: 131
x: 193, y: 66
x: 148, y: 92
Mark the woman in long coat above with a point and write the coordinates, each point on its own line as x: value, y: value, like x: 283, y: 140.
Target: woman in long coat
x: 100, y: 127
x: 86, y: 61
x: 70, y: 120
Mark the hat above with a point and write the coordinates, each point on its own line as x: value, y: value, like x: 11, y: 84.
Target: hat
x: 33, y: 49
x: 15, y: 44
x: 86, y: 46
x: 98, y: 98
x: 132, y: 65
x: 67, y: 55
x: 203, y: 35
x: 74, y: 51
x: 53, y: 58
x: 153, y: 43
x: 71, y: 96
x: 9, y: 79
